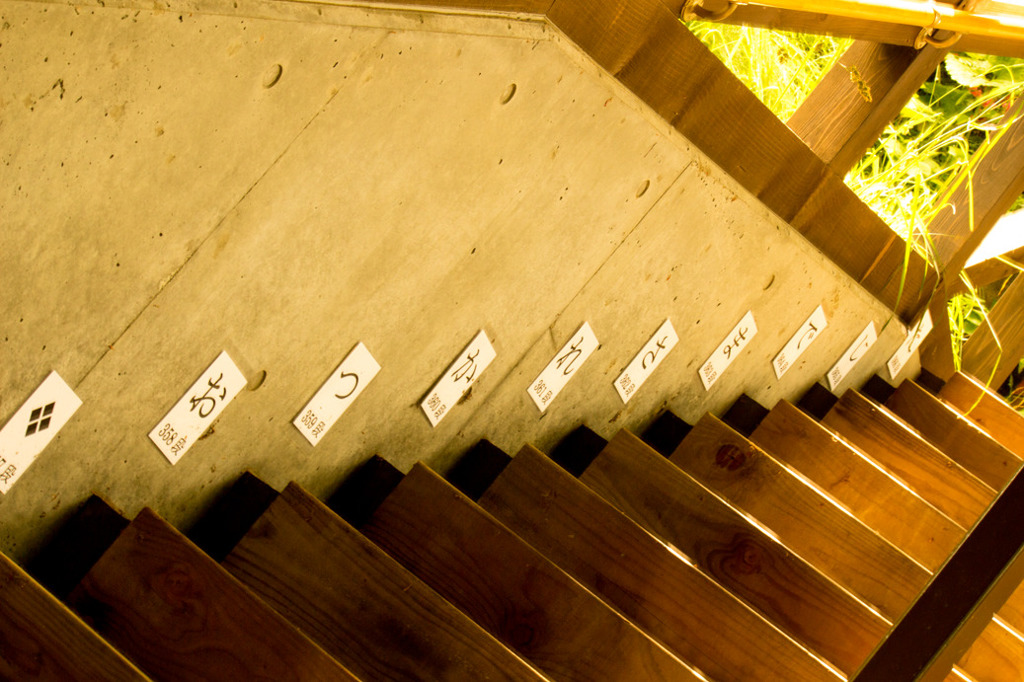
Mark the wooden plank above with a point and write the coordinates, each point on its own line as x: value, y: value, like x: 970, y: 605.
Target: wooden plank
x: 935, y: 477
x: 643, y: 44
x: 40, y: 639
x: 510, y: 589
x: 649, y: 583
x: 359, y: 604
x: 996, y: 656
x: 804, y: 518
x: 725, y: 545
x: 989, y: 271
x: 870, y: 492
x: 1012, y: 612
x: 986, y: 409
x: 839, y: 120
x: 959, y: 438
x: 180, y: 616
x: 992, y: 357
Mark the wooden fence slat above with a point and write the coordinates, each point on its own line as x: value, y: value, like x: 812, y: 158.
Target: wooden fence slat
x: 954, y: 434
x: 986, y: 409
x: 509, y: 589
x: 932, y: 475
x: 985, y: 356
x: 804, y: 519
x: 646, y: 581
x: 40, y: 639
x: 1012, y: 612
x: 180, y: 616
x: 359, y: 604
x: 870, y: 492
x: 725, y: 545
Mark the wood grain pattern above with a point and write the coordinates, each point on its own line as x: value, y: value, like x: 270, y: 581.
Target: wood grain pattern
x: 1012, y: 612
x: 986, y: 409
x: 180, y: 616
x: 510, y: 589
x: 359, y: 604
x: 839, y: 121
x: 643, y: 44
x: 932, y: 475
x: 996, y: 656
x: 957, y: 437
x: 871, y: 493
x: 991, y: 355
x: 40, y: 639
x: 725, y: 545
x: 804, y: 518
x: 648, y: 583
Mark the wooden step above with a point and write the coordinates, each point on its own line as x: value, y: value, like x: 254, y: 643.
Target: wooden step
x: 958, y: 437
x: 805, y: 519
x: 996, y: 656
x: 648, y: 582
x: 725, y: 545
x: 510, y: 589
x: 40, y: 639
x: 180, y: 616
x: 986, y: 409
x: 359, y: 604
x: 883, y: 437
x: 871, y: 493
x: 1012, y: 612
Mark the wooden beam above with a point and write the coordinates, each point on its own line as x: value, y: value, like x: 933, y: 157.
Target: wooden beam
x: 848, y: 110
x: 989, y: 356
x: 989, y: 271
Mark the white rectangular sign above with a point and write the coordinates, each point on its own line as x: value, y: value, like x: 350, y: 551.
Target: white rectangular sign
x: 646, y: 361
x: 914, y: 338
x: 340, y: 390
x: 457, y: 379
x: 727, y: 351
x: 800, y: 342
x: 33, y: 426
x: 852, y: 356
x: 198, y: 408
x: 563, y: 367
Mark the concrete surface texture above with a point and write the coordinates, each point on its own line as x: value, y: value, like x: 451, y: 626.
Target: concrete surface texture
x: 284, y: 180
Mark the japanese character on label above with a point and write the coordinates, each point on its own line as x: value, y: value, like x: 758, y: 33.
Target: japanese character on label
x: 205, y: 408
x: 652, y: 354
x: 467, y: 369
x: 352, y: 390
x: 8, y: 473
x: 574, y: 351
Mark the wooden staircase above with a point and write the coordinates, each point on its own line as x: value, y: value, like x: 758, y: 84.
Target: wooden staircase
x: 766, y: 545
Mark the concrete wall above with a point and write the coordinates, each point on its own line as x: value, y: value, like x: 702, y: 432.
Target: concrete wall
x: 164, y: 198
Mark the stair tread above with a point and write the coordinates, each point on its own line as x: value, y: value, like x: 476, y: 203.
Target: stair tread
x: 41, y: 639
x: 646, y: 581
x: 1013, y: 610
x: 725, y: 545
x: 871, y: 493
x: 510, y: 589
x: 804, y: 518
x: 996, y: 656
x: 883, y: 437
x: 358, y: 603
x: 180, y: 616
x: 955, y: 435
x: 986, y: 409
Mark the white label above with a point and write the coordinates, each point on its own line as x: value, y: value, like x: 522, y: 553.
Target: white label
x: 198, y: 408
x: 33, y: 426
x: 803, y: 338
x: 852, y: 356
x: 914, y: 338
x: 563, y: 367
x: 646, y: 361
x: 340, y: 390
x: 457, y: 379
x: 723, y: 356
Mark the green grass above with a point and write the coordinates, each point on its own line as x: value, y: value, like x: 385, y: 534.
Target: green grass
x: 908, y: 173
